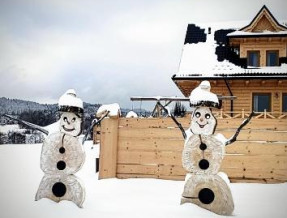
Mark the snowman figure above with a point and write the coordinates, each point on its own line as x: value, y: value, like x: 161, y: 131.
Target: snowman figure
x: 63, y: 155
x: 203, y: 152
x: 202, y: 155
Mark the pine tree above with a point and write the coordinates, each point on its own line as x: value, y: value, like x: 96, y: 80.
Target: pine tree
x: 179, y: 110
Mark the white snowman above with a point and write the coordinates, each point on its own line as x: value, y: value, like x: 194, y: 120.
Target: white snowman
x: 63, y: 155
x: 203, y: 152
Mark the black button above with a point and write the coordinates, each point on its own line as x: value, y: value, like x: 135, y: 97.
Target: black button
x: 202, y: 146
x: 59, y: 189
x: 203, y: 164
x: 61, y: 165
x: 206, y: 196
x: 62, y: 150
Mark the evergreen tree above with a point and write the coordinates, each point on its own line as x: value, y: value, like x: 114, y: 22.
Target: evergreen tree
x: 179, y: 109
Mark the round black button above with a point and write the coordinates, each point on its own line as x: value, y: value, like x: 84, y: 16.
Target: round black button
x: 61, y: 165
x: 62, y: 150
x: 206, y: 196
x: 59, y: 189
x: 203, y: 164
x: 202, y: 146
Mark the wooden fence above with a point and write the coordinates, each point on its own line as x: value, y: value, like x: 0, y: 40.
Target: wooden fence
x: 152, y: 148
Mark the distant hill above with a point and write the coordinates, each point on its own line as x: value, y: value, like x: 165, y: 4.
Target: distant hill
x: 40, y: 114
x: 16, y: 106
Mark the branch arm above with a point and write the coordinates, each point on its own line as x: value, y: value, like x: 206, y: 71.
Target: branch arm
x: 174, y: 120
x: 31, y: 125
x: 94, y: 123
x: 245, y: 122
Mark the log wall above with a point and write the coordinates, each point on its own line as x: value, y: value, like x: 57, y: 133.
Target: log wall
x: 151, y: 148
x: 243, y: 90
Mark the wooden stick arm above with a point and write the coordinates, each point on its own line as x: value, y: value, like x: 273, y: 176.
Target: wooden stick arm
x: 233, y: 138
x: 95, y: 122
x: 31, y: 125
x: 174, y: 120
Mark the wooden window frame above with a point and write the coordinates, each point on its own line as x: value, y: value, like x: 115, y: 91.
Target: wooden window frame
x: 262, y: 93
x: 277, y: 60
x: 283, y: 95
x: 248, y: 54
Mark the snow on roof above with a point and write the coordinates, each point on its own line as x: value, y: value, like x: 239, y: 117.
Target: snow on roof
x: 264, y: 33
x: 200, y: 59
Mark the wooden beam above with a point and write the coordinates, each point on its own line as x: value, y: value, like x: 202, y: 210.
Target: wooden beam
x: 108, y: 148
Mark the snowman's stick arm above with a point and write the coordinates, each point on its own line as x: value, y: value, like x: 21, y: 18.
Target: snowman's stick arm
x: 233, y: 138
x: 94, y: 123
x: 174, y: 120
x: 31, y: 125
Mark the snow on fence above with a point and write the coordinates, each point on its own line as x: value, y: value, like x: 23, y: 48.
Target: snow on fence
x: 152, y: 147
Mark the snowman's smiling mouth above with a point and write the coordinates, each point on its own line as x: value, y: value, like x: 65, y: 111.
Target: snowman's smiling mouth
x: 68, y: 130
x: 201, y: 126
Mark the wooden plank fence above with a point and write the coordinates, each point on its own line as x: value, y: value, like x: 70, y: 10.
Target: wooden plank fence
x: 152, y: 148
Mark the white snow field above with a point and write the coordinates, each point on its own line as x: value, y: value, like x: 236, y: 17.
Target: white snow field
x: 128, y: 198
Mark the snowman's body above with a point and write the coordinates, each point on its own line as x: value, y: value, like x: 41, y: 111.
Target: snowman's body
x: 63, y: 155
x: 202, y: 156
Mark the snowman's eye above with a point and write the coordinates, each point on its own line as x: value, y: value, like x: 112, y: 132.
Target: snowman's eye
x: 74, y: 119
x: 197, y: 114
x: 65, y: 119
x: 207, y: 116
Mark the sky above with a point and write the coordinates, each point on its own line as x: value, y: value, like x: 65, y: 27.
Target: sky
x: 106, y: 50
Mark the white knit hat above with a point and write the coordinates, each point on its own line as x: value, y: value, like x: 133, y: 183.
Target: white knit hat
x: 69, y: 102
x: 201, y: 96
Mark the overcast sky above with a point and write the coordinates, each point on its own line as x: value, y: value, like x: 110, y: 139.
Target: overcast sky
x: 106, y: 50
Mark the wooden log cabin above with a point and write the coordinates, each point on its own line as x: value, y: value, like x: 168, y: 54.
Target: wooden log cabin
x: 246, y: 61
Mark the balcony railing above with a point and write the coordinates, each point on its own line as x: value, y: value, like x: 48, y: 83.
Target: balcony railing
x: 221, y: 114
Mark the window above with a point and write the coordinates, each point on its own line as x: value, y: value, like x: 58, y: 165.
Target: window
x: 261, y: 101
x: 284, y: 102
x: 272, y: 58
x: 253, y: 58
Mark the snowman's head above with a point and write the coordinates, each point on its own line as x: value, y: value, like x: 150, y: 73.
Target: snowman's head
x: 71, y: 123
x: 71, y: 108
x: 203, y: 121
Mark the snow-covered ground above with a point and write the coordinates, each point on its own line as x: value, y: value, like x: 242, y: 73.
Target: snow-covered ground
x: 147, y: 198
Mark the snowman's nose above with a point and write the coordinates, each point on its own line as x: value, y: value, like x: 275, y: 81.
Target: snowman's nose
x: 201, y: 119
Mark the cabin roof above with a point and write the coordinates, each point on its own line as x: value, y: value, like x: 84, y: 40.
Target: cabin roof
x: 204, y: 53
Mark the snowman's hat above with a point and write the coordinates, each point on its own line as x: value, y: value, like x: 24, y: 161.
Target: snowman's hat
x: 69, y: 102
x: 202, y: 97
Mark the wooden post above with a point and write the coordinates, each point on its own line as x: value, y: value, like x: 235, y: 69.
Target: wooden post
x: 265, y: 114
x: 242, y: 116
x: 96, y: 134
x: 108, y: 148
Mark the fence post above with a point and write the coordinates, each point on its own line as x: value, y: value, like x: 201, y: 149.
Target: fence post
x: 108, y: 148
x: 265, y: 114
x: 242, y: 115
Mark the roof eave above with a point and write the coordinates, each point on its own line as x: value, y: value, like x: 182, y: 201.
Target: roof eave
x: 257, y: 36
x: 231, y: 77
